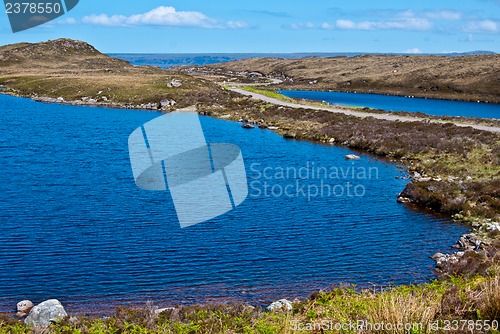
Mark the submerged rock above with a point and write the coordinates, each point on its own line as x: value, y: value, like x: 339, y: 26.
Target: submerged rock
x: 46, y: 313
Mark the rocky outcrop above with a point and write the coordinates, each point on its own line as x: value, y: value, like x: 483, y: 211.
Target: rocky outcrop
x: 46, y: 313
x: 469, y: 242
x: 174, y: 83
x: 443, y: 260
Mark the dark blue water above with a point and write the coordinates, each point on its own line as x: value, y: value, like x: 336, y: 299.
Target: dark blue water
x: 398, y: 103
x: 75, y: 227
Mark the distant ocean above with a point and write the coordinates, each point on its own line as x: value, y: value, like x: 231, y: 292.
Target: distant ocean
x: 199, y: 59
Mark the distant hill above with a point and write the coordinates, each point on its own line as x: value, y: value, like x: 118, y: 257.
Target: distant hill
x: 76, y: 72
x: 472, y: 53
x: 57, y: 53
x: 466, y: 77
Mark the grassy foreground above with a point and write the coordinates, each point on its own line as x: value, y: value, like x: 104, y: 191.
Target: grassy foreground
x: 456, y: 305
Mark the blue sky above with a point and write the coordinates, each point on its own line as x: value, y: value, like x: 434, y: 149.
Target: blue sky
x: 172, y: 26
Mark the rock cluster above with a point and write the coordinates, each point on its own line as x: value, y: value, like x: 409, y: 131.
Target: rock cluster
x: 493, y: 227
x: 280, y: 305
x: 174, y: 83
x: 443, y: 259
x: 41, y: 315
x: 468, y: 241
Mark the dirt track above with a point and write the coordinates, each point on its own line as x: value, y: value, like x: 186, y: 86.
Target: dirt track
x: 352, y: 112
x: 467, y: 78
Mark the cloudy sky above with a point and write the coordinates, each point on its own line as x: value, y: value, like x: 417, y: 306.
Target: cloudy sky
x: 172, y: 26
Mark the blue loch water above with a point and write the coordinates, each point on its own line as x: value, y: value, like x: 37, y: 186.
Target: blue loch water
x: 399, y: 103
x: 74, y: 226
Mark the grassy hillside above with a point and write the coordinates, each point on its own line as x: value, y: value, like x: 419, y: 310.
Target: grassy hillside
x: 75, y: 70
x: 461, y: 78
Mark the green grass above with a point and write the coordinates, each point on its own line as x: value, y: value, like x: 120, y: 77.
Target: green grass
x: 269, y: 93
x: 476, y: 298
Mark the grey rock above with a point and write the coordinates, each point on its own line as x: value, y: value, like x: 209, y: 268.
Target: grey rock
x: 332, y: 140
x: 352, y: 157
x: 174, y: 83
x: 247, y: 126
x: 438, y: 256
x: 25, y: 306
x: 167, y: 103
x: 280, y: 305
x: 402, y: 199
x: 493, y: 227
x: 424, y: 179
x: 166, y: 309
x: 46, y: 313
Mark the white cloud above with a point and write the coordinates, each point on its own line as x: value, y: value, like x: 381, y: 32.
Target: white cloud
x: 488, y: 26
x: 414, y: 50
x: 342, y: 24
x: 163, y: 16
x: 237, y: 25
x: 327, y: 26
x: 299, y: 26
x: 409, y: 23
x: 69, y: 20
x: 444, y: 15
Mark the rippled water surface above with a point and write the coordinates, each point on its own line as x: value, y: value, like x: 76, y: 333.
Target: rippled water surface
x: 399, y: 103
x: 74, y: 226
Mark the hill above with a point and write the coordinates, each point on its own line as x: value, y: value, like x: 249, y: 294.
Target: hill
x: 459, y: 78
x: 77, y: 72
